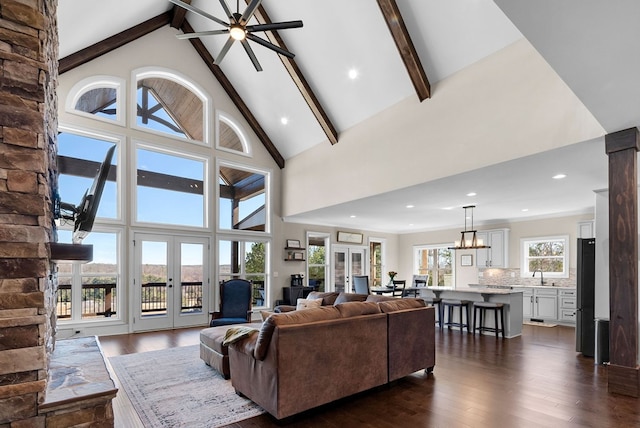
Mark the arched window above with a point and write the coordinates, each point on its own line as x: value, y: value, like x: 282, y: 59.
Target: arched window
x: 170, y: 104
x: 99, y: 97
x: 231, y: 136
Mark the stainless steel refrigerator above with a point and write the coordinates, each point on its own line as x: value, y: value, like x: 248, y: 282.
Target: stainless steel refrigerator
x: 585, y: 305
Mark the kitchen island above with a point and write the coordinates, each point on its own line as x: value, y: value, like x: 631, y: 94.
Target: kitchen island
x: 512, y: 300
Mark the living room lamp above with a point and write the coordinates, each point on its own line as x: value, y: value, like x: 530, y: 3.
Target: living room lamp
x: 466, y: 243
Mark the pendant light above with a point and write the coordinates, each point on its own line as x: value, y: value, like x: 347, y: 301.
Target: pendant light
x: 469, y: 240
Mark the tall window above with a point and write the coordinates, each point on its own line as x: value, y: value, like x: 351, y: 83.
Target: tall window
x: 317, y: 264
x: 89, y: 291
x: 245, y: 259
x: 243, y: 198
x: 170, y: 188
x: 231, y: 138
x: 375, y: 264
x: 79, y: 158
x: 549, y: 254
x: 435, y: 261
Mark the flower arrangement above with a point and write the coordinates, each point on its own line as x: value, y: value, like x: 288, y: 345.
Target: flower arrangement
x: 392, y: 275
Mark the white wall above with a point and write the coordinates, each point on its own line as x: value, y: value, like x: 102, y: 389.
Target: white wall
x: 506, y: 106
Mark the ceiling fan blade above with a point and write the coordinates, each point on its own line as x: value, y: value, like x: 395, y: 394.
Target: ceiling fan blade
x: 224, y: 50
x: 274, y: 26
x: 202, y: 33
x: 248, y: 12
x: 226, y: 8
x: 249, y: 52
x: 199, y: 12
x: 269, y: 45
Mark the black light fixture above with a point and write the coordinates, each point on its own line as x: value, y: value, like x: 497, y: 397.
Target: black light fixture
x: 466, y: 242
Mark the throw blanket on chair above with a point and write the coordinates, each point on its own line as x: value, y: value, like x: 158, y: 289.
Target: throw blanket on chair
x: 234, y: 334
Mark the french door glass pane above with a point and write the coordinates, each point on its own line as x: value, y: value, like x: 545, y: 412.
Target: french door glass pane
x: 153, y: 301
x: 191, y: 277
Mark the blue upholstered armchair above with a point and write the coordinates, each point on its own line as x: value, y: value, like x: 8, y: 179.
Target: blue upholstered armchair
x: 235, y: 303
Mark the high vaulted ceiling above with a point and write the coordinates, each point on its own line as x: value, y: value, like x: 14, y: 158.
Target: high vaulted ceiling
x: 591, y: 45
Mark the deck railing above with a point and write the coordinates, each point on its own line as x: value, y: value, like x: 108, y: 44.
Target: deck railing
x: 100, y: 299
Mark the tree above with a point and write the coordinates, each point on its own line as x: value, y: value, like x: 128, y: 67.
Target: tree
x: 254, y: 259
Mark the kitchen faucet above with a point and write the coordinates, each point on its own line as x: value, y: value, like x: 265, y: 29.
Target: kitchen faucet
x: 541, y: 276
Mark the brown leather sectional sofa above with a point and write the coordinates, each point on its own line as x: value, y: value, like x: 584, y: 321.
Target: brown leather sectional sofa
x: 303, y: 359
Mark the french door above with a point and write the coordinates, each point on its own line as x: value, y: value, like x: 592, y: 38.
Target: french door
x: 347, y: 261
x: 171, y: 282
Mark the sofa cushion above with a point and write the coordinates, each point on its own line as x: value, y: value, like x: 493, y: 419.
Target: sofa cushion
x: 328, y: 298
x: 288, y: 318
x: 213, y: 337
x: 265, y: 314
x: 400, y: 304
x: 350, y: 297
x: 308, y: 304
x: 379, y: 298
x: 352, y: 309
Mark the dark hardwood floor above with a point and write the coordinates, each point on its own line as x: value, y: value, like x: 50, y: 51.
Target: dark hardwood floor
x: 536, y: 380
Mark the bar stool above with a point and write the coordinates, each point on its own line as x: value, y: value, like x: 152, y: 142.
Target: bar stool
x: 449, y: 305
x: 482, y: 307
x: 437, y: 302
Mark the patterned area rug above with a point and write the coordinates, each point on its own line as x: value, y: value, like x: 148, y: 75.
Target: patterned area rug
x: 175, y: 388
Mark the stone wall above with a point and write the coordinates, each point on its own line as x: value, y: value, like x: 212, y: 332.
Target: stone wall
x: 28, y: 124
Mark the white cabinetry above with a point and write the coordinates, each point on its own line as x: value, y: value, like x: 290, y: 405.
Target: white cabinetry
x: 567, y: 305
x: 545, y: 304
x: 586, y: 229
x: 498, y: 255
x: 549, y: 304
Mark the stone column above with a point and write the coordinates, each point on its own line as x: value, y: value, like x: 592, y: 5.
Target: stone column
x: 28, y: 126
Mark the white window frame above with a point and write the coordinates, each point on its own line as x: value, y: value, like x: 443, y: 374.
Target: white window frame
x: 174, y: 76
x: 417, y: 248
x: 242, y: 136
x: 140, y: 145
x: 96, y: 82
x: 267, y: 200
x: 524, y: 256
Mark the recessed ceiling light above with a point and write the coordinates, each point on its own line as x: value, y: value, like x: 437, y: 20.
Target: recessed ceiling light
x: 471, y: 194
x: 524, y: 210
x: 284, y: 120
x: 410, y: 206
x: 353, y: 74
x: 410, y: 224
x: 559, y: 176
x: 352, y: 216
x: 447, y: 208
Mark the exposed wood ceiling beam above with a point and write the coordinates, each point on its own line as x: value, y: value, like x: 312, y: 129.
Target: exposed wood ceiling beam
x: 405, y: 46
x: 114, y: 42
x: 233, y: 94
x: 298, y: 78
x: 179, y: 15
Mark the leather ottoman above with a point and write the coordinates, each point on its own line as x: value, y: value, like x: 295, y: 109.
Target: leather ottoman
x: 213, y: 352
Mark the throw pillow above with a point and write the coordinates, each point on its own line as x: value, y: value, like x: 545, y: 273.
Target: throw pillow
x: 306, y: 304
x: 265, y: 314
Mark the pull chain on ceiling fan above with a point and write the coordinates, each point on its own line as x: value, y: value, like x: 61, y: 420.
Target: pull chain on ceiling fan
x: 238, y: 30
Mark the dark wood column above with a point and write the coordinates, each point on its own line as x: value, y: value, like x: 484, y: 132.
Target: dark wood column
x: 622, y: 148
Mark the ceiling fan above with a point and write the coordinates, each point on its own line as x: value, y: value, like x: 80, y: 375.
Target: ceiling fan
x: 238, y: 29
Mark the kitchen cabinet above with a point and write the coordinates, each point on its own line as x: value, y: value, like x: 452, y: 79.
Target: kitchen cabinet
x: 498, y: 255
x: 586, y: 229
x: 549, y: 304
x: 567, y: 305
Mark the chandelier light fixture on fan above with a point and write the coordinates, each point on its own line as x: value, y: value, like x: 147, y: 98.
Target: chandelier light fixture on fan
x: 238, y: 30
x: 468, y: 243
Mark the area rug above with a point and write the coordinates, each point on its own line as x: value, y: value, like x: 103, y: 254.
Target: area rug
x: 540, y: 324
x: 175, y: 388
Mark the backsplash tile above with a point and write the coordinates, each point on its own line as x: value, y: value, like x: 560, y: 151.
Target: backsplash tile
x: 512, y: 277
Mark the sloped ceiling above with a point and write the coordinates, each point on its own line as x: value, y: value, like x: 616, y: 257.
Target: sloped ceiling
x: 449, y: 36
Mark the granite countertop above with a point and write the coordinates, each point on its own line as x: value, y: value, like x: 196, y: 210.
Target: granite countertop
x: 487, y: 290
x: 521, y: 286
